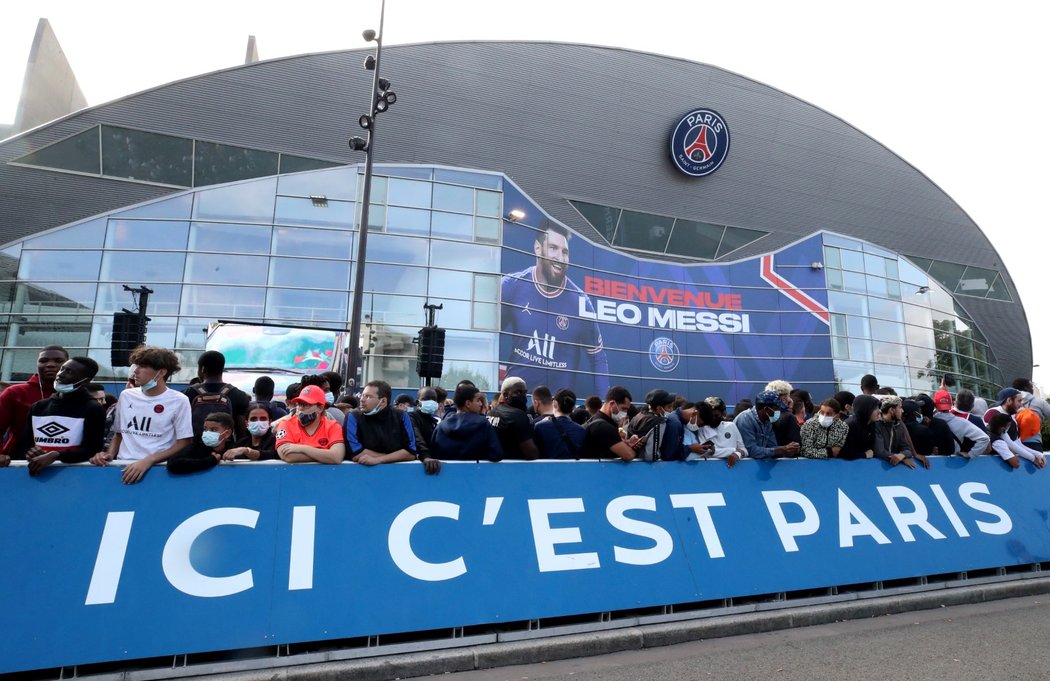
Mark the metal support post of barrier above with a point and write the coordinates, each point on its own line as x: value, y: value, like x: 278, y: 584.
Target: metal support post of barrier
x: 457, y: 632
x: 605, y: 616
x: 373, y: 641
x: 534, y: 625
x: 668, y: 610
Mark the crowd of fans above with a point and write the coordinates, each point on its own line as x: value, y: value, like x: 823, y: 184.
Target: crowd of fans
x: 59, y: 414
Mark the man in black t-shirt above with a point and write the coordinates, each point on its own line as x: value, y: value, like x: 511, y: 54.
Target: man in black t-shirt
x: 209, y: 369
x: 513, y: 425
x: 602, y: 438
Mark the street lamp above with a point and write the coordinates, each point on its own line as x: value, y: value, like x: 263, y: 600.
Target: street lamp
x: 382, y: 98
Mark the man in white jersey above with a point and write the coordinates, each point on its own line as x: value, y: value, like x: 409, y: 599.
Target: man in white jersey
x: 153, y: 423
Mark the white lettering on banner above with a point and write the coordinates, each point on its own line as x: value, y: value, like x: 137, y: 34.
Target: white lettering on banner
x: 665, y: 318
x: 400, y: 545
x: 966, y: 492
x: 809, y: 524
x: 176, y: 562
x: 546, y: 537
x: 848, y: 530
x: 919, y: 517
x: 701, y: 505
x: 109, y: 562
x: 301, y: 553
x: 614, y: 513
x: 949, y: 510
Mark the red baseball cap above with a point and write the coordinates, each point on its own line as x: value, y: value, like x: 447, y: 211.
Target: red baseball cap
x: 942, y: 400
x: 310, y: 394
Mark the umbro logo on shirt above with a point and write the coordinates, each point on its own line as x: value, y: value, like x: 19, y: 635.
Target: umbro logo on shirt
x: 52, y: 429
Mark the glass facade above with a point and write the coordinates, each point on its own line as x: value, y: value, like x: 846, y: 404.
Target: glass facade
x: 894, y: 320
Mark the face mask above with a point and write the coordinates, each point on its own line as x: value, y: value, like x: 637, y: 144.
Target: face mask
x: 373, y: 412
x: 619, y: 416
x: 518, y: 402
x: 66, y: 388
x: 258, y: 427
x: 825, y: 421
x: 428, y: 406
x: 210, y: 438
x: 149, y: 385
x: 692, y: 427
x: 307, y: 419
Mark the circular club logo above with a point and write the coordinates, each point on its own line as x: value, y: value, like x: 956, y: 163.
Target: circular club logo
x: 664, y: 355
x: 158, y: 409
x: 700, y: 142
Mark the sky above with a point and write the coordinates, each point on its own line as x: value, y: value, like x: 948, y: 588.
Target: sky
x: 957, y: 89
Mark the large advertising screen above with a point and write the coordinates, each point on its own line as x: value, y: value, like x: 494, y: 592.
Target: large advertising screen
x: 582, y: 316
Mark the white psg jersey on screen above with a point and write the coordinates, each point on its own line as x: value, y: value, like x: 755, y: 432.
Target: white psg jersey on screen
x: 57, y: 432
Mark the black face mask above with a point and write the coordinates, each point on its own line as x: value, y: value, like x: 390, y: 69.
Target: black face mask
x: 518, y: 402
x: 307, y: 419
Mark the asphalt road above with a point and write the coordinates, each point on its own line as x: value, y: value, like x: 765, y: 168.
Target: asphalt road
x: 1004, y: 639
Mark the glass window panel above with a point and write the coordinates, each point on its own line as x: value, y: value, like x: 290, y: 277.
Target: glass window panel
x: 889, y: 353
x: 452, y: 284
x: 832, y: 257
x: 737, y: 237
x: 66, y: 265
x: 396, y: 279
x: 219, y: 163
x: 313, y: 274
x: 160, y: 331
x: 923, y: 357
x: 453, y: 199
x: 893, y: 376
x: 911, y: 274
x: 848, y: 374
x: 891, y: 332
x: 967, y: 366
x: 877, y: 286
x: 942, y: 340
x: 841, y: 241
x: 854, y: 282
x: 489, y: 204
x: 873, y: 264
x: 78, y: 153
x: 408, y: 221
x: 976, y: 281
x: 152, y: 235
x: 893, y: 287
x: 847, y: 303
x: 486, y: 229
x: 56, y: 298
x: 335, y: 184
x: 643, y: 231
x: 852, y: 260
x: 227, y: 238
x: 858, y: 327
x: 178, y: 207
x: 163, y: 301
x: 455, y: 314
x: 202, y: 268
x: 142, y: 267
x: 73, y: 333
x: 304, y: 304
x: 923, y: 379
x: 330, y: 213
x: 885, y: 309
x: 980, y: 352
x: 147, y: 156
x: 838, y: 325
x: 872, y: 248
x: 376, y: 217
x: 486, y: 288
x: 486, y: 316
x: 695, y: 239
x: 192, y: 333
x: 378, y: 191
x: 834, y: 279
x: 919, y: 335
x: 452, y: 226
x: 922, y: 263
x: 90, y: 234
x: 411, y: 193
x: 394, y: 310
x: 998, y: 290
x: 245, y: 202
x: 223, y: 302
x: 469, y: 257
x: 312, y: 242
x: 964, y: 346
x: 299, y: 164
x: 602, y: 218
x: 839, y: 348
x: 919, y: 316
x: 398, y: 249
x: 486, y: 180
x: 947, y: 273
x: 892, y: 271
x: 860, y: 350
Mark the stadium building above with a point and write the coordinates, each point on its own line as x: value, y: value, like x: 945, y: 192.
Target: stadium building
x: 586, y: 215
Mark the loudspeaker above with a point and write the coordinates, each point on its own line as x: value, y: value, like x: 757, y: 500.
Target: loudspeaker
x: 431, y: 352
x: 129, y: 332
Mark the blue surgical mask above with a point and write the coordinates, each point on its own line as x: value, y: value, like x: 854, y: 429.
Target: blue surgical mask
x: 258, y: 428
x: 66, y: 388
x: 149, y: 385
x: 329, y: 398
x: 210, y: 438
x: 428, y: 406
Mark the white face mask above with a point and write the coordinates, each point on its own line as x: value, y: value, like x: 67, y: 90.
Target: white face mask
x: 619, y: 416
x: 692, y: 427
x: 825, y: 421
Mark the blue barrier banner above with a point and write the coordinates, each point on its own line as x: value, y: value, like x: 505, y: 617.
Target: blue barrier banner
x: 253, y: 555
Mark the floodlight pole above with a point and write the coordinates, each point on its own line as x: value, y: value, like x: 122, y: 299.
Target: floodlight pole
x: 354, y: 361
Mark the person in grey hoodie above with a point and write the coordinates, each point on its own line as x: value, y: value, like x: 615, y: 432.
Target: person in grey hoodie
x: 466, y: 435
x: 892, y: 442
x: 970, y: 441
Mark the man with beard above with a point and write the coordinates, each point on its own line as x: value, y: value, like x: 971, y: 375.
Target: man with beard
x: 16, y: 401
x: 541, y: 313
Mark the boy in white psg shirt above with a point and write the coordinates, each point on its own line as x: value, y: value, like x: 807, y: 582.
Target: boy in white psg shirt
x: 153, y: 423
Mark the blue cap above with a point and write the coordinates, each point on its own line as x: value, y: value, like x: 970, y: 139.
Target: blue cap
x: 1007, y: 393
x: 770, y: 397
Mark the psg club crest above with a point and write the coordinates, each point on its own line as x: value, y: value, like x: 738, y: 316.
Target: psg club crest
x: 563, y: 322
x: 663, y: 354
x: 700, y: 142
